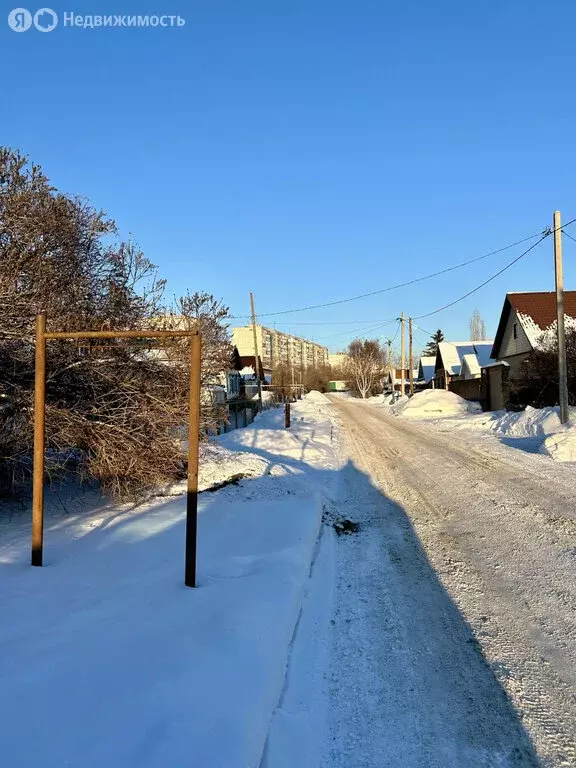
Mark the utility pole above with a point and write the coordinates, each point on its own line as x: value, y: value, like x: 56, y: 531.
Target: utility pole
x: 562, y: 367
x: 411, y: 372
x: 389, y: 360
x: 256, y: 359
x: 402, y: 360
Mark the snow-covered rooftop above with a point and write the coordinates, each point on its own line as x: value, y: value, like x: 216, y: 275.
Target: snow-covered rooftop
x: 536, y: 313
x: 471, y: 365
x: 453, y: 352
x: 538, y: 336
x: 427, y: 367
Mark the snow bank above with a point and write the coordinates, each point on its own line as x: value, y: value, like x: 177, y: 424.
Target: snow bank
x: 532, y: 422
x: 316, y: 397
x: 434, y: 403
x: 559, y: 440
x: 384, y: 399
x: 141, y: 670
x: 116, y: 663
x: 296, y: 732
x: 267, y: 396
x: 560, y: 446
x: 247, y: 451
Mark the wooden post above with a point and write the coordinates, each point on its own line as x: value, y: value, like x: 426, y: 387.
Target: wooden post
x: 193, y: 450
x: 40, y: 432
x: 562, y: 366
x: 411, y: 371
x: 39, y: 441
x: 287, y: 414
x: 256, y: 360
x: 402, y: 360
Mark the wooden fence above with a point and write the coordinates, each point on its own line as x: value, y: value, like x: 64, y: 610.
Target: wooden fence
x: 469, y: 389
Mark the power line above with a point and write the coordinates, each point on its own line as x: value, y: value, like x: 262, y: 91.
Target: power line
x: 419, y: 327
x: 569, y: 235
x: 324, y: 322
x: 490, y: 279
x: 396, y: 334
x: 415, y: 280
x: 379, y: 325
x: 420, y: 333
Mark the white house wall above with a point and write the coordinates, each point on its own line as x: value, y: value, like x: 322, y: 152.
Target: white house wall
x: 514, y: 346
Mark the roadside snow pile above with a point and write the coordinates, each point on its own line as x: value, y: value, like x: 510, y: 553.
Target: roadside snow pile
x: 561, y: 446
x: 218, y: 464
x: 267, y: 396
x: 387, y: 398
x: 144, y: 671
x: 435, y: 403
x: 532, y: 422
x: 451, y: 412
x: 559, y: 440
x: 315, y: 397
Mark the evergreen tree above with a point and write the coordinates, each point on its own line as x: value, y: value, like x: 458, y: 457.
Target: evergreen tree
x: 432, y: 346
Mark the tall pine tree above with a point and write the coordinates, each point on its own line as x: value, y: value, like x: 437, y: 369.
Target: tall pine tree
x: 432, y: 346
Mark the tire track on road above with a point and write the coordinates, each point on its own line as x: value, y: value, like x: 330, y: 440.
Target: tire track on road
x: 500, y: 552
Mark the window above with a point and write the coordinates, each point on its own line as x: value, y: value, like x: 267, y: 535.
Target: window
x: 515, y: 330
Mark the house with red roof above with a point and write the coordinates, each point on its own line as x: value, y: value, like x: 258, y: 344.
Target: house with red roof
x: 528, y: 320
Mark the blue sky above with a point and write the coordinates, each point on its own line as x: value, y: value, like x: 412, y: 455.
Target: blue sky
x: 311, y: 150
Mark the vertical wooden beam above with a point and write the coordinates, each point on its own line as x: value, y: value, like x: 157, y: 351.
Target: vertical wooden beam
x: 193, y: 454
x: 39, y: 442
x: 410, y: 357
x: 402, y: 357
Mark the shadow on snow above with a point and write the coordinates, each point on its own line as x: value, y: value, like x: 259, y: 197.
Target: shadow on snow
x: 423, y: 647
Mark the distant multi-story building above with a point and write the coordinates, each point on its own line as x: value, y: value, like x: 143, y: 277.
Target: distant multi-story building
x: 338, y: 360
x: 279, y: 348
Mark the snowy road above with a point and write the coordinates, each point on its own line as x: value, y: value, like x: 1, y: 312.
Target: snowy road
x: 455, y: 619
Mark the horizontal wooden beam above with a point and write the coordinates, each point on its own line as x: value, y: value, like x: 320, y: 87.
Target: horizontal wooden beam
x: 118, y: 334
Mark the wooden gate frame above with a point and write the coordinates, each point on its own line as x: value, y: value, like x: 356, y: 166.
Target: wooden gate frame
x: 40, y: 431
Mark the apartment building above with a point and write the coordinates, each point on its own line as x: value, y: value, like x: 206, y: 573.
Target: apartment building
x: 338, y: 360
x: 279, y: 348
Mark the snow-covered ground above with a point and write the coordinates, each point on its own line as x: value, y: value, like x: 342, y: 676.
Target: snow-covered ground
x: 107, y: 659
x: 534, y: 429
x: 440, y: 635
x: 455, y: 603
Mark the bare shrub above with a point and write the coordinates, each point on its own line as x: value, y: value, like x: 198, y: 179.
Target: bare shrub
x: 115, y: 409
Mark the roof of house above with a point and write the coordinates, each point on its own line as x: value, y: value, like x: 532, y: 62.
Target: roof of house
x: 450, y: 354
x: 536, y: 311
x: 428, y: 366
x: 495, y: 364
x: 248, y: 361
x: 471, y: 363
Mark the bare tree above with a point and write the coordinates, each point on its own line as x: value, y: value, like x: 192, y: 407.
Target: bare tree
x: 113, y: 410
x: 316, y: 377
x: 208, y: 315
x: 282, y: 380
x: 477, y: 327
x: 366, y: 365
